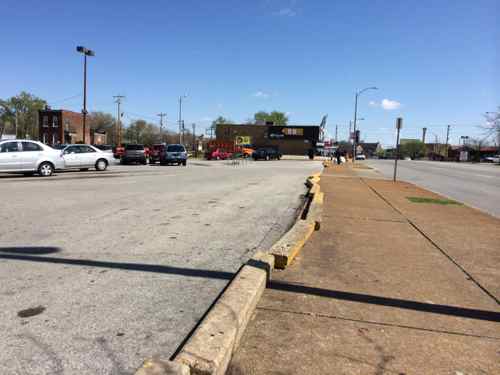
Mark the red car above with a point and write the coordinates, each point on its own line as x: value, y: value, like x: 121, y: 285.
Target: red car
x: 156, y: 151
x: 219, y: 154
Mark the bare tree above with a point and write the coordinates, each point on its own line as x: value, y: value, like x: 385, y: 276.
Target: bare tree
x: 492, y: 126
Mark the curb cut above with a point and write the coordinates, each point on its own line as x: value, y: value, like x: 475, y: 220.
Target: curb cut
x: 209, y: 349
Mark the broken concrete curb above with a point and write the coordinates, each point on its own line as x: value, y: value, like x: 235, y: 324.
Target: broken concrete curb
x: 290, y: 245
x: 209, y: 349
x: 159, y: 367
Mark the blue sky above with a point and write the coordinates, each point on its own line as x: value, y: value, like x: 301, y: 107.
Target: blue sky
x: 435, y: 62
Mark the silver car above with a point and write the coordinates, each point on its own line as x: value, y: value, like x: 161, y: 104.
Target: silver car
x: 29, y: 157
x: 84, y: 157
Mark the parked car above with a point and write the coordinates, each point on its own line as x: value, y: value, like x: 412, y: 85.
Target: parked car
x: 247, y: 151
x: 491, y: 159
x: 134, y: 153
x: 266, y: 153
x: 105, y: 148
x: 360, y: 157
x: 118, y: 151
x: 83, y: 157
x: 219, y: 154
x: 156, y: 152
x: 29, y: 157
x: 60, y: 146
x: 174, y: 153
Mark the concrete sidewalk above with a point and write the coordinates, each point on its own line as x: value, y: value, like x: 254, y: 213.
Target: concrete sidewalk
x: 386, y: 286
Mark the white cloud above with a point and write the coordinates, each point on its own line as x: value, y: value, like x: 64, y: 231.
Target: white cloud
x: 261, y: 94
x: 285, y: 12
x: 390, y: 105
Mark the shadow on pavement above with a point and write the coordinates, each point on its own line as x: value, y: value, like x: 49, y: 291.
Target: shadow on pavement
x: 155, y: 268
x: 457, y: 311
x: 222, y: 275
x: 40, y: 250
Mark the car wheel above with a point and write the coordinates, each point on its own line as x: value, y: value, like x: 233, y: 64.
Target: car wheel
x: 101, y: 165
x: 184, y: 163
x: 84, y: 169
x: 46, y: 169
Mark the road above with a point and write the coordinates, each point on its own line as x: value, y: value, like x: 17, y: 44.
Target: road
x: 477, y: 185
x: 99, y: 271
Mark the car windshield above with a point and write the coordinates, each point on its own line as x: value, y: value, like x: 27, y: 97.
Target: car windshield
x: 134, y: 147
x: 175, y: 148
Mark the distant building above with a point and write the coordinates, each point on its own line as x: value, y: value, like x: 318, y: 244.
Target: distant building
x: 370, y: 149
x: 58, y: 126
x: 289, y: 139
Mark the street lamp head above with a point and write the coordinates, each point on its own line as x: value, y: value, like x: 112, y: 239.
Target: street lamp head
x: 85, y: 51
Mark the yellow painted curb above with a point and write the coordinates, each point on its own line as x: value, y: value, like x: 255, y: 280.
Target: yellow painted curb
x: 288, y: 248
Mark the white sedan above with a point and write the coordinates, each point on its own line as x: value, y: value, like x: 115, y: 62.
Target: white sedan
x: 84, y: 157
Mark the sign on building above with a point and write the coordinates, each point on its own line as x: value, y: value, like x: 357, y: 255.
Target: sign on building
x: 242, y: 140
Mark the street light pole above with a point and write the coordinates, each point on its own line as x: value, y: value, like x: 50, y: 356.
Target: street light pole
x: 86, y: 52
x: 181, y: 125
x: 358, y: 93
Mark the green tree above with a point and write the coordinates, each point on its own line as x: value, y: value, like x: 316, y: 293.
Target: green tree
x: 412, y: 149
x: 276, y: 117
x: 140, y: 131
x: 23, y: 107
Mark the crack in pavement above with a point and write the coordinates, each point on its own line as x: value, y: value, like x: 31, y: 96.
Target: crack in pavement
x: 384, y: 324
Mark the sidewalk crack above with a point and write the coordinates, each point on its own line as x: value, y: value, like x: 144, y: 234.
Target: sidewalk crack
x: 431, y: 241
x: 372, y: 322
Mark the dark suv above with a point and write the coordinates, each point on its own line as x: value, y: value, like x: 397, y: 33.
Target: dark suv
x: 134, y: 154
x: 174, y: 154
x: 266, y: 153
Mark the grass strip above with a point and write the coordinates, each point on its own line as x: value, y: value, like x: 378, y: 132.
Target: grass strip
x: 433, y: 201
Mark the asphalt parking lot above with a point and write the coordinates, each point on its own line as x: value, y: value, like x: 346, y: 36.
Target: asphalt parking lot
x: 100, y: 270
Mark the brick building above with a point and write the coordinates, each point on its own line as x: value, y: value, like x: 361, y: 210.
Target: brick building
x: 62, y: 126
x: 289, y: 139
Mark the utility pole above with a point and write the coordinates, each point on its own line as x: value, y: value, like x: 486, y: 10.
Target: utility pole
x: 336, y: 133
x: 16, y: 124
x: 399, y: 125
x: 447, y: 140
x: 161, y: 114
x: 181, y: 123
x: 424, y: 130
x: 118, y: 101
x: 194, y: 137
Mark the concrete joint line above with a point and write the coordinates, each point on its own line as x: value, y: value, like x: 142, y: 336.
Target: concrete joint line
x: 433, y: 243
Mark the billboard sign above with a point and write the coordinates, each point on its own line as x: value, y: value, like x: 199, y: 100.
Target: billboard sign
x: 242, y: 140
x: 291, y: 132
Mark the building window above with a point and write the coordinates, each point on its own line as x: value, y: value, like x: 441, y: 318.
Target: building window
x: 55, y: 122
x: 66, y: 125
x: 54, y: 139
x: 44, y: 138
x: 45, y: 121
